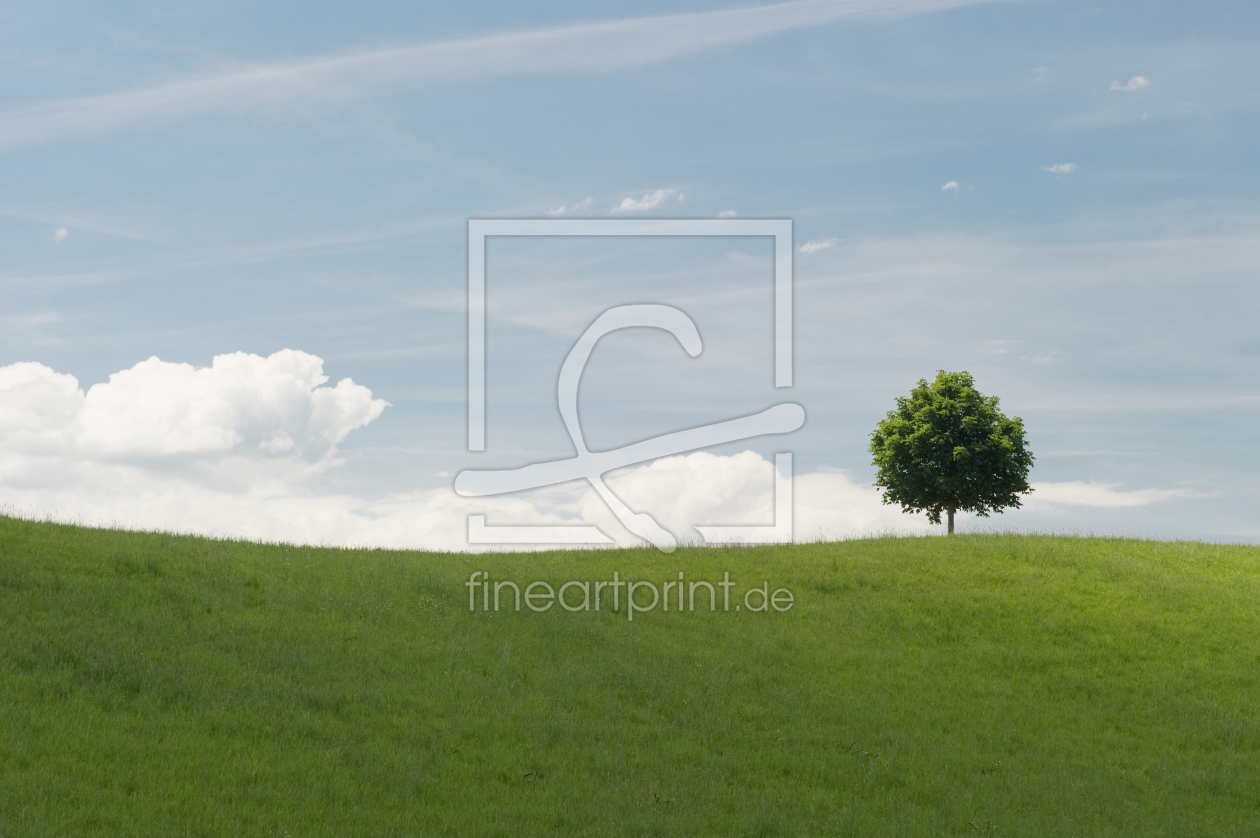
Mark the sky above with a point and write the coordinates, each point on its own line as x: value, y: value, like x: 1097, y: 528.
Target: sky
x: 234, y: 259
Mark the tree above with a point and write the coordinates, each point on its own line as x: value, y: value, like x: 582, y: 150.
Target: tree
x: 948, y: 448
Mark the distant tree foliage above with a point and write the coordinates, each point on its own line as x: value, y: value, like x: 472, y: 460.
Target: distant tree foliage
x: 947, y: 448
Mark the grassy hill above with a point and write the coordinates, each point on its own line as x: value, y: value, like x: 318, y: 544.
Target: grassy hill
x: 995, y: 685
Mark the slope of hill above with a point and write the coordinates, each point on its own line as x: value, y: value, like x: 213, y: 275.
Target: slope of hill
x: 153, y: 684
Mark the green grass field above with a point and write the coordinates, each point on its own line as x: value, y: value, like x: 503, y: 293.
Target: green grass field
x: 995, y: 685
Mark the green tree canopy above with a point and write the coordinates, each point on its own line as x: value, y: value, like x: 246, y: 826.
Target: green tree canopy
x: 948, y: 448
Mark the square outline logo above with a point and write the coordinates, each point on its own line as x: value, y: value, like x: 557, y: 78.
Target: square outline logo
x: 479, y: 229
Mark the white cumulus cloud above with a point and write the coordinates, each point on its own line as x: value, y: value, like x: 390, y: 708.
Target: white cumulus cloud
x: 952, y: 186
x: 1133, y: 84
x: 649, y: 201
x: 709, y: 489
x: 1060, y: 168
x: 60, y: 234
x: 240, y: 403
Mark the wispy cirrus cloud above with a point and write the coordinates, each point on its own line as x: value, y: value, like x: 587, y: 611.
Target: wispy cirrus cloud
x: 601, y: 47
x: 815, y: 245
x: 1099, y: 495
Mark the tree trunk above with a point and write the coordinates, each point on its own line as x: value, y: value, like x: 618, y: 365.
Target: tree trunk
x: 951, y: 520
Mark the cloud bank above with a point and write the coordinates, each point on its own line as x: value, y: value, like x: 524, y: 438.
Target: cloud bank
x: 233, y: 449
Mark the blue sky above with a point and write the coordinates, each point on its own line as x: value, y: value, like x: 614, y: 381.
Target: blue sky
x: 1056, y: 196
